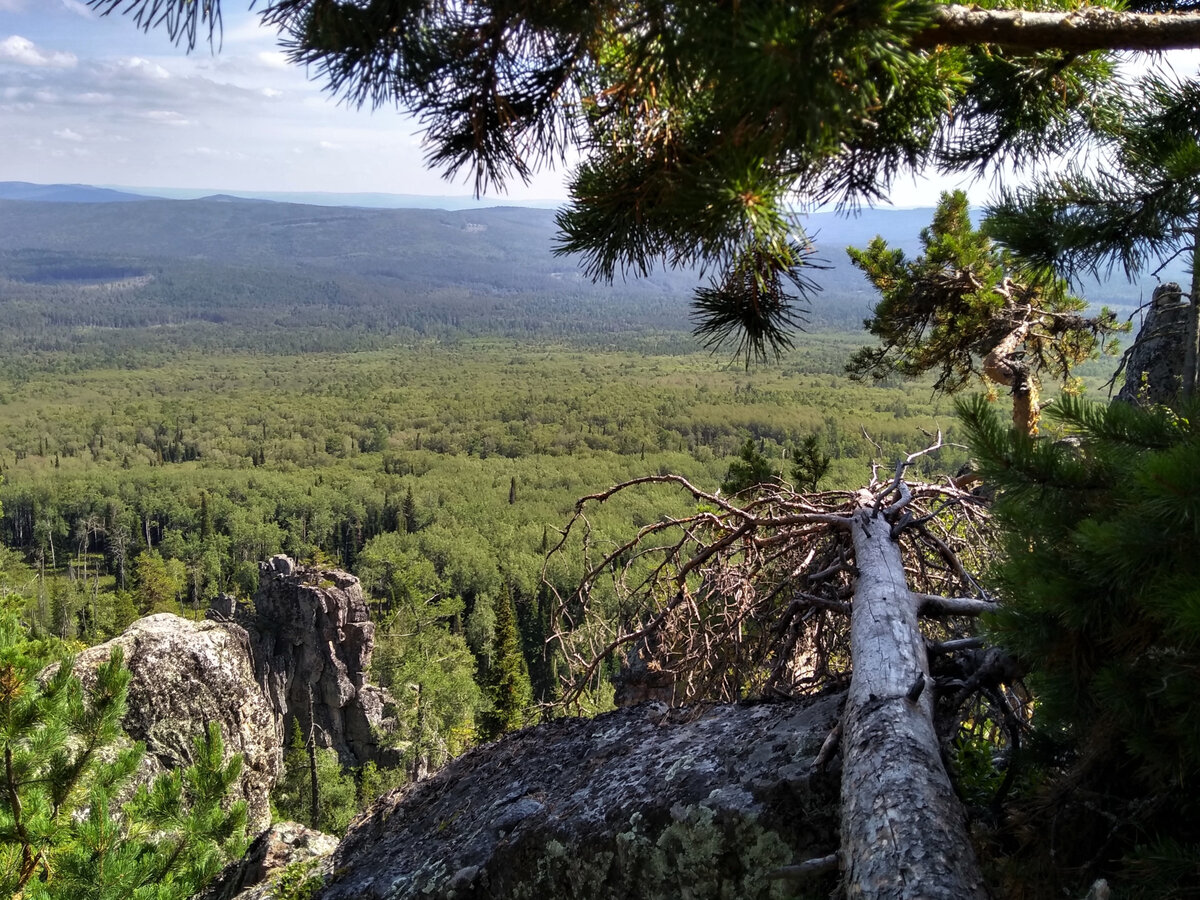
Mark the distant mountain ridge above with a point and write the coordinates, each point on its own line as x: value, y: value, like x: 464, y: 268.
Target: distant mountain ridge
x: 64, y: 193
x: 74, y: 257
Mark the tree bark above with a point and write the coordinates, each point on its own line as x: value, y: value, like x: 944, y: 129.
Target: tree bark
x: 904, y: 832
x: 1078, y: 31
x: 998, y: 366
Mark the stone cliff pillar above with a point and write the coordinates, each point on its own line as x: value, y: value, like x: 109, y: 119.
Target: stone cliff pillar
x: 1154, y: 369
x: 313, y: 640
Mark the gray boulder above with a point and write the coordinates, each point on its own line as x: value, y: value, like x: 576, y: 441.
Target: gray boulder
x: 1154, y: 366
x: 283, y: 857
x: 644, y: 802
x: 184, y: 675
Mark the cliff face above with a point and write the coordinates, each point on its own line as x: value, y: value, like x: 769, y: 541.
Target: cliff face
x: 303, y: 653
x: 644, y: 802
x: 1154, y: 368
x: 312, y: 640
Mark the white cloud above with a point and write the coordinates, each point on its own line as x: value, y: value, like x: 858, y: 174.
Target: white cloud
x: 329, y: 145
x: 144, y: 67
x: 213, y: 153
x: 270, y: 93
x: 68, y: 135
x: 164, y: 117
x: 24, y: 52
x: 274, y: 60
x: 80, y: 9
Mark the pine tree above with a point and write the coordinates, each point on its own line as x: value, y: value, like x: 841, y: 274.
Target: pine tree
x: 409, y: 511
x: 1139, y: 206
x: 961, y: 310
x: 336, y: 788
x: 507, y: 678
x: 60, y: 835
x: 811, y: 464
x: 748, y: 470
x: 1099, y: 582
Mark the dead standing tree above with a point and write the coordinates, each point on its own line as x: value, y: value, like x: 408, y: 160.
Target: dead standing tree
x: 736, y: 600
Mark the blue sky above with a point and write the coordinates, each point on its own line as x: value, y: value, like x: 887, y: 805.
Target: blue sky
x: 93, y: 100
x: 86, y: 99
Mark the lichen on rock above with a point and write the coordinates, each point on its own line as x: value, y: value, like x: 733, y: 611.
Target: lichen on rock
x: 183, y: 675
x: 641, y: 803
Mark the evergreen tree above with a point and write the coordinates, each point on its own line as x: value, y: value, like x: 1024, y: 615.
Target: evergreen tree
x: 337, y: 801
x: 60, y: 836
x: 959, y: 309
x: 1101, y: 604
x: 1140, y: 205
x: 409, y: 511
x: 811, y: 464
x: 749, y: 470
x: 507, y: 679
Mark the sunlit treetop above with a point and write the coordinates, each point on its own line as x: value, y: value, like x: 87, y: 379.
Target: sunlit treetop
x: 962, y: 309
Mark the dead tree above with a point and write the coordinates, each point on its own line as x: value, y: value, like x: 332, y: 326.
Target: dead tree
x: 753, y: 599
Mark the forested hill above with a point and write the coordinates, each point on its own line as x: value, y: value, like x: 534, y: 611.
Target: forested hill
x: 250, y: 274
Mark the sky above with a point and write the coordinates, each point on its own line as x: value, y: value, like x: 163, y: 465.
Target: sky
x: 86, y: 99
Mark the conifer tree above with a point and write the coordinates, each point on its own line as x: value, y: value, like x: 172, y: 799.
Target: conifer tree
x: 1099, y: 582
x: 508, y: 686
x: 293, y: 795
x: 1137, y: 206
x: 748, y: 469
x: 811, y: 464
x: 961, y: 310
x: 61, y: 835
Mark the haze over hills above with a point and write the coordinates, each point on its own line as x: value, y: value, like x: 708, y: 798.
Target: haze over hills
x: 64, y: 193
x: 75, y: 259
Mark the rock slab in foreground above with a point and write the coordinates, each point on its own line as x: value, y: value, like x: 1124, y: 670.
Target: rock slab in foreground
x: 184, y: 675
x: 638, y: 803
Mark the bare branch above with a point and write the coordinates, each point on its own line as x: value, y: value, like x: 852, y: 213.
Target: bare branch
x: 933, y: 605
x: 1078, y: 31
x: 747, y: 600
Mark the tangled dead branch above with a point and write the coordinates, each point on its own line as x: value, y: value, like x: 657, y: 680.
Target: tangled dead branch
x: 752, y: 599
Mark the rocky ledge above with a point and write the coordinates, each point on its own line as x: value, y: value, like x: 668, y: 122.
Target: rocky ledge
x: 644, y: 802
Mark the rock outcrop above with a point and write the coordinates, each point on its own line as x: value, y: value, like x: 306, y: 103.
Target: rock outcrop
x: 312, y: 642
x: 1154, y: 368
x: 644, y: 802
x: 284, y: 846
x: 184, y: 675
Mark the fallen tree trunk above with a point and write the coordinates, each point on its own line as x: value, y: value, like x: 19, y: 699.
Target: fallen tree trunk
x: 752, y: 598
x: 903, y: 829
